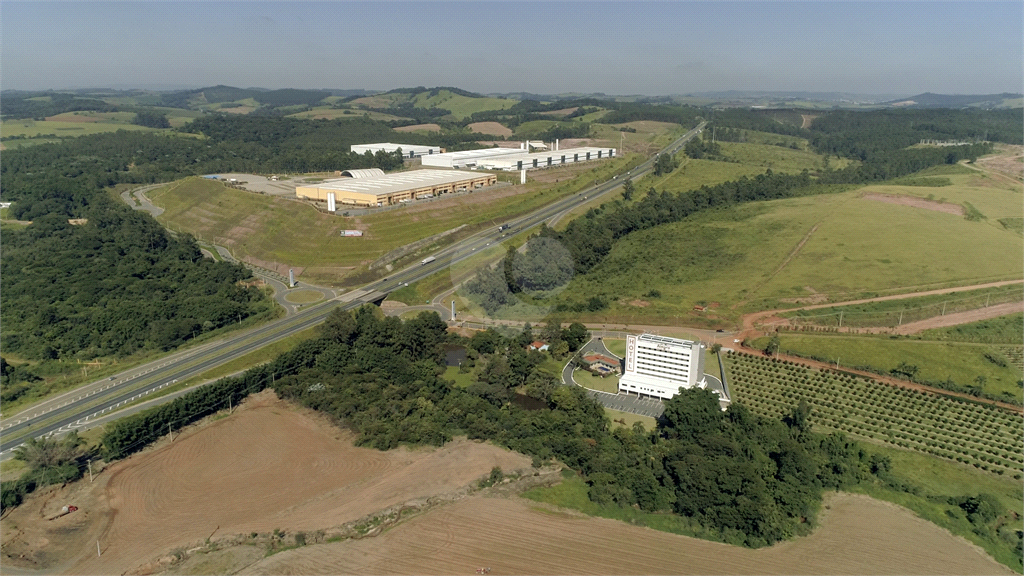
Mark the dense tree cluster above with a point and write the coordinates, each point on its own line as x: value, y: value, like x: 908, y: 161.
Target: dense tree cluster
x: 544, y: 266
x: 39, y: 105
x: 151, y: 119
x: 748, y: 480
x: 702, y: 148
x: 867, y: 136
x: 50, y: 460
x: 112, y: 286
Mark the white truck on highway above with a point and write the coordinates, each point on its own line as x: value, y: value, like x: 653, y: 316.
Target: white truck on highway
x: 427, y: 260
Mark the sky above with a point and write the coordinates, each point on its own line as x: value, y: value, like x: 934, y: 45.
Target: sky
x: 652, y: 48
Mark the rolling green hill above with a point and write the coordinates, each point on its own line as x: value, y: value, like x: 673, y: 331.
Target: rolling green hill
x: 758, y: 255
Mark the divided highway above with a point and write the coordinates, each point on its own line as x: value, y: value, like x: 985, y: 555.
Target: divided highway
x: 75, y: 409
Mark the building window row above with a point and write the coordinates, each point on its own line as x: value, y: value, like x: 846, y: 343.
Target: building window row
x: 656, y: 355
x: 664, y: 365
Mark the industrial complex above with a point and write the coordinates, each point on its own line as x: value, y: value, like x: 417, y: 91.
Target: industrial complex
x: 388, y: 189
x: 516, y: 158
x: 658, y: 366
x: 408, y: 150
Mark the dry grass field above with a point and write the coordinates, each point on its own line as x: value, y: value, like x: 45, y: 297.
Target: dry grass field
x: 493, y: 128
x: 269, y: 465
x: 419, y: 128
x: 857, y: 535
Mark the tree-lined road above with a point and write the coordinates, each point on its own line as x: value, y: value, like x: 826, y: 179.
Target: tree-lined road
x: 78, y: 408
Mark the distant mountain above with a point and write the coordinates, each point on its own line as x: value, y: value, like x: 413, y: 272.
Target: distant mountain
x: 796, y: 95
x: 264, y: 96
x: 929, y: 100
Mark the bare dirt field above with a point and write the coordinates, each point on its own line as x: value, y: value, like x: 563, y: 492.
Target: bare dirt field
x: 416, y: 127
x: 269, y: 465
x: 807, y: 119
x: 562, y: 112
x: 1009, y: 161
x: 917, y: 203
x: 857, y: 535
x: 494, y: 128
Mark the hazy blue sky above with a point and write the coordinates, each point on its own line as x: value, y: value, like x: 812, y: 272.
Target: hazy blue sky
x: 544, y: 47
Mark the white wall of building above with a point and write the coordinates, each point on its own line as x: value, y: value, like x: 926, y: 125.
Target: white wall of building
x: 658, y: 366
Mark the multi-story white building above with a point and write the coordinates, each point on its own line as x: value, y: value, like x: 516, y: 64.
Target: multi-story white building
x: 658, y: 366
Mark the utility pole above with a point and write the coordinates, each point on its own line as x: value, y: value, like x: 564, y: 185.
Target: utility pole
x: 943, y: 309
x: 987, y: 299
x: 98, y: 549
x: 901, y: 318
x: 170, y: 432
x: 840, y: 318
x: 90, y: 470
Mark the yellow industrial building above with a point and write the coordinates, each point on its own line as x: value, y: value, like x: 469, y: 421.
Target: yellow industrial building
x: 388, y: 189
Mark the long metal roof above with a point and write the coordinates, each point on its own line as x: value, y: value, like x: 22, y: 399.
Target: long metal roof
x: 556, y: 156
x: 398, y: 182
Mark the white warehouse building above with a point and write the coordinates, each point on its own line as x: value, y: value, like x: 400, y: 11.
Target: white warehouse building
x: 408, y: 150
x: 658, y: 366
x: 548, y: 158
x: 467, y: 158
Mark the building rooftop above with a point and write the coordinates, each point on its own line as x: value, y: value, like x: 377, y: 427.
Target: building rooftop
x: 542, y: 157
x: 665, y: 340
x: 398, y: 182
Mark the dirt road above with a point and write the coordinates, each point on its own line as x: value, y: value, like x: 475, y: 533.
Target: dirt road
x: 750, y: 320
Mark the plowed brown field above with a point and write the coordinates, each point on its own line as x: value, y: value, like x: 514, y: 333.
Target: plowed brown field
x: 858, y: 535
x: 269, y: 465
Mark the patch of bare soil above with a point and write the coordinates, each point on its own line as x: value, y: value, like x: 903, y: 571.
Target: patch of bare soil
x: 391, y: 305
x: 415, y: 127
x: 857, y: 535
x: 916, y: 202
x: 278, y: 267
x: 1008, y: 162
x: 269, y: 465
x: 562, y: 112
x: 807, y: 119
x: 638, y: 303
x: 493, y: 128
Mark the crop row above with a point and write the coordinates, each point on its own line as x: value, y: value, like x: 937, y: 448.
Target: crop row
x: 1015, y: 354
x: 981, y: 435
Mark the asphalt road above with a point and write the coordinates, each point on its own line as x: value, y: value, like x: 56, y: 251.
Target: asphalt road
x: 80, y: 408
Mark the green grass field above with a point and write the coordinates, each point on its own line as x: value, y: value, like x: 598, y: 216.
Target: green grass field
x: 616, y: 346
x: 759, y: 255
x: 588, y: 380
x: 461, y: 106
x: 326, y: 112
x: 461, y: 380
x: 937, y: 362
x: 533, y: 128
x: 1002, y: 330
x: 280, y: 230
x: 31, y: 129
x: 613, y: 415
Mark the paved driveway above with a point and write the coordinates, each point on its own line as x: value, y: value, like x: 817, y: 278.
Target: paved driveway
x: 622, y: 402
